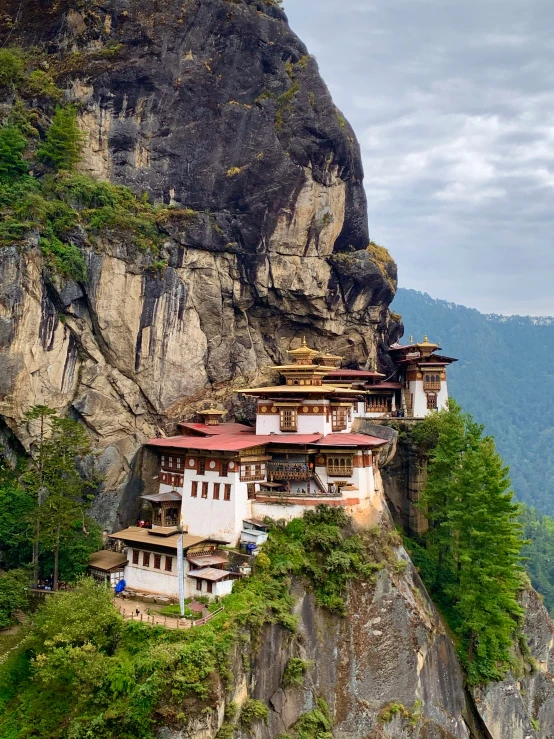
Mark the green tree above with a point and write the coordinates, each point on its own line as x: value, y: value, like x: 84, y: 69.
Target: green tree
x: 472, y: 555
x: 539, y: 553
x: 14, y: 594
x: 61, y: 150
x: 12, y: 146
x: 55, y: 477
x: 16, y: 523
x: 12, y: 66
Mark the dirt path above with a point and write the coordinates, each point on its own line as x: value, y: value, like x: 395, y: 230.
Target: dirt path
x: 136, y: 610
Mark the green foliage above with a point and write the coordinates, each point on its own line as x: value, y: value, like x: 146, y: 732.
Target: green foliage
x: 471, y: 562
x: 295, y: 670
x: 53, y: 477
x: 83, y: 672
x: 12, y: 66
x: 14, y: 594
x: 413, y: 715
x: 61, y: 150
x: 318, y: 547
x: 63, y: 258
x: 539, y: 553
x: 12, y: 146
x: 41, y: 84
x: 17, y: 506
x: 315, y: 724
x: 253, y: 710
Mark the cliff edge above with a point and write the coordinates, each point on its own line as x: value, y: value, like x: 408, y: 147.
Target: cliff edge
x: 215, y: 110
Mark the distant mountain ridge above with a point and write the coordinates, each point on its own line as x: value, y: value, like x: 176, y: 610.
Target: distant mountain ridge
x: 504, y: 377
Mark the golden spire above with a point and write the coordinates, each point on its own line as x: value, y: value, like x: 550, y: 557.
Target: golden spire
x: 411, y: 339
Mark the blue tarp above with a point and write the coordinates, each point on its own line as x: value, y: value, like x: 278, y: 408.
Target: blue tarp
x: 120, y: 587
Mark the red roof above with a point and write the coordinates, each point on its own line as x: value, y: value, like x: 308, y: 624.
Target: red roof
x: 237, y: 442
x: 350, y: 440
x: 232, y: 442
x: 385, y: 386
x: 352, y: 373
x: 221, y: 428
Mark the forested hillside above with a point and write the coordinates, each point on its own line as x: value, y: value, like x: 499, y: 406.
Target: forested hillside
x: 504, y: 377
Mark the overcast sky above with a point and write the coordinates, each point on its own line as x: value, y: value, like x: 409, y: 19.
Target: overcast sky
x: 453, y: 104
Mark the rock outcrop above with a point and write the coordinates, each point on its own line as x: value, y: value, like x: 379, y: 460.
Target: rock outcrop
x: 388, y: 669
x: 214, y: 108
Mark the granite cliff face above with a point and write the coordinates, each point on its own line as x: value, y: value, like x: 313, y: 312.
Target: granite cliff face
x: 388, y: 669
x: 214, y: 108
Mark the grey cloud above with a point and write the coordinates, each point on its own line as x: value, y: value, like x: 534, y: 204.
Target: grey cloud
x: 453, y: 104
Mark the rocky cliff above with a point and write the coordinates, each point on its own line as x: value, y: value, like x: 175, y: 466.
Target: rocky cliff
x: 215, y: 109
x: 388, y: 669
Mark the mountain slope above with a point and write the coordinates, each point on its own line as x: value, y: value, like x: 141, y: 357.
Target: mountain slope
x: 215, y: 115
x: 504, y: 377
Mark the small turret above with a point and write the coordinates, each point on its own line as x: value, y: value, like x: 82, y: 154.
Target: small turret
x: 211, y: 415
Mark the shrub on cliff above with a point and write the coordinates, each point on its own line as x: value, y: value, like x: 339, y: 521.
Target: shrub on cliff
x: 12, y: 146
x: 61, y: 150
x: 471, y: 558
x: 12, y: 65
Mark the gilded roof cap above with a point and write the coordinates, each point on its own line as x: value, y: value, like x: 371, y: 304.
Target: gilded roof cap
x: 303, y: 354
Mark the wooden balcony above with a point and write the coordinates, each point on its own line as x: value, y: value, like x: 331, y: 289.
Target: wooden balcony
x: 432, y: 386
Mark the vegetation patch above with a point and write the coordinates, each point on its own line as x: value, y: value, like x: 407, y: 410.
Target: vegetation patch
x: 470, y: 558
x: 253, y: 710
x: 412, y: 715
x: 41, y: 194
x: 295, y: 671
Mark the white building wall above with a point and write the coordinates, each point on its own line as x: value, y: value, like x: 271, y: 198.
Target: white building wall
x: 206, y: 516
x: 219, y: 519
x: 146, y: 579
x: 267, y: 424
x: 419, y: 399
x: 420, y: 409
x: 313, y: 424
x: 442, y: 399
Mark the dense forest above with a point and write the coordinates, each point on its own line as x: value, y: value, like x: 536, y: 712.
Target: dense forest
x: 504, y: 377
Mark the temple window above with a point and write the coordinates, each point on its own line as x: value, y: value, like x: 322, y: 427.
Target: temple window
x: 205, y: 489
x: 146, y: 559
x: 135, y: 556
x: 251, y: 488
x: 209, y: 586
x: 227, y: 494
x: 224, y: 469
x: 342, y: 466
x: 157, y: 561
x: 339, y: 418
x: 199, y: 585
x: 431, y: 382
x: 194, y: 489
x: 168, y: 564
x: 289, y: 419
x: 431, y: 402
x: 216, y: 490
x: 201, y: 466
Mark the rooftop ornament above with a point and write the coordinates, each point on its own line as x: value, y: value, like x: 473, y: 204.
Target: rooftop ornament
x: 211, y: 415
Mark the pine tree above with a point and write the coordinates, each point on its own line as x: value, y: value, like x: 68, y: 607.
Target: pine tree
x: 473, y: 546
x: 62, y: 147
x: 12, y: 146
x: 55, y: 477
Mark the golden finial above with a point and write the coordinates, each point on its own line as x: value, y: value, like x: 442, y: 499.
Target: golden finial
x: 304, y: 341
x: 425, y: 339
x: 411, y: 339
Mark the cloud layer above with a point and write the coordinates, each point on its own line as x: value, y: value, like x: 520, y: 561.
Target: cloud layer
x: 453, y: 104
